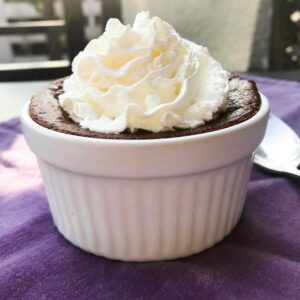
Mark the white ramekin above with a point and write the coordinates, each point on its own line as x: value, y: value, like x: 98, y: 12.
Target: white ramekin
x: 143, y: 200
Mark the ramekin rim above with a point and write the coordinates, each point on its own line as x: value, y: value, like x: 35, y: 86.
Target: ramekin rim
x: 264, y: 109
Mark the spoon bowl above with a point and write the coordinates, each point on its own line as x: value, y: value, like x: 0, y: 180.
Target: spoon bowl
x: 280, y: 149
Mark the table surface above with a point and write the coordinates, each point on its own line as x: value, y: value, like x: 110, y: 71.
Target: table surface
x: 291, y: 75
x: 15, y: 95
x: 260, y: 259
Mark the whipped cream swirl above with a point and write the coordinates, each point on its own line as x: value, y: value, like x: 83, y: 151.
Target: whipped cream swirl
x: 143, y: 77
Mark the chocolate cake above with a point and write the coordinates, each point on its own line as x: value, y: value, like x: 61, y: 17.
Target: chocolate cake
x: 244, y: 102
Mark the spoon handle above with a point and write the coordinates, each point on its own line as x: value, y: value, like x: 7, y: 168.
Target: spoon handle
x: 292, y: 171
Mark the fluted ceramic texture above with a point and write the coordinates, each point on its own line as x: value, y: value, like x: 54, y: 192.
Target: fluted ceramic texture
x: 146, y: 219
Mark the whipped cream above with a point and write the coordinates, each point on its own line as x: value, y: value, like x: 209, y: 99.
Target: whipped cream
x: 143, y: 77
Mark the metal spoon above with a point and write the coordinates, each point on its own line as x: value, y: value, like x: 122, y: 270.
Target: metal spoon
x: 279, y: 151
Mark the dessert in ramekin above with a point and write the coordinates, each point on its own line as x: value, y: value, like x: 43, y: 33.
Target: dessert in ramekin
x: 157, y: 176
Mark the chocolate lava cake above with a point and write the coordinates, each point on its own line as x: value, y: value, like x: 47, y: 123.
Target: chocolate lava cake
x: 243, y: 103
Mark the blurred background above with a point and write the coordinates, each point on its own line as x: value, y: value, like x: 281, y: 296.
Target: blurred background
x: 39, y: 38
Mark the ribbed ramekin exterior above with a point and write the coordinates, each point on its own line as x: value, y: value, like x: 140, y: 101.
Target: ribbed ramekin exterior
x: 146, y: 219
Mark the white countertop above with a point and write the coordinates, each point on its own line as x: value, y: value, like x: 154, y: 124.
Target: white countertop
x: 15, y: 94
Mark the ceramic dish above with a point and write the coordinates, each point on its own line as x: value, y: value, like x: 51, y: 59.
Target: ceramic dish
x: 143, y: 200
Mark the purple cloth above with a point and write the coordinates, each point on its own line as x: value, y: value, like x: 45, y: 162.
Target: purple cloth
x: 260, y: 259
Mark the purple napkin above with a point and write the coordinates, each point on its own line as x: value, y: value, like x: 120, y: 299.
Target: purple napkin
x: 260, y: 259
